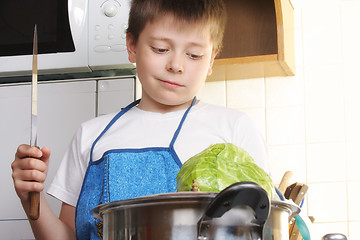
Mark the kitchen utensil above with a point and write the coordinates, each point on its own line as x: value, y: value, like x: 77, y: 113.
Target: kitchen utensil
x: 284, y: 233
x: 232, y: 214
x: 296, y: 192
x: 285, y: 181
x: 334, y: 236
x: 303, y: 228
x: 299, y: 219
x: 34, y: 196
x: 298, y: 229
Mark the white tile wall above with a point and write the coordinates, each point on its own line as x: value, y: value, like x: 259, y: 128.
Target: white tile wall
x: 353, y: 157
x: 327, y: 201
x: 285, y: 125
x: 258, y: 116
x: 288, y: 158
x: 354, y: 232
x: 291, y: 94
x: 326, y: 162
x: 350, y: 31
x: 246, y: 93
x: 311, y: 121
x: 321, y: 25
x: 353, y: 198
x: 352, y: 99
x: 214, y: 92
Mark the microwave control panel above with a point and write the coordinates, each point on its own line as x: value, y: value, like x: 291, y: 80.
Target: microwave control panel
x: 107, y: 33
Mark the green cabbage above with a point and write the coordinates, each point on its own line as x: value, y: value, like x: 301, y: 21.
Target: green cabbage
x: 219, y: 166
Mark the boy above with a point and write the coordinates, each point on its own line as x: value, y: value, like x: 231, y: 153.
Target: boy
x: 139, y: 151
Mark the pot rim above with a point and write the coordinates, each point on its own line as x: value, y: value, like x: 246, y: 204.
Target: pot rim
x: 177, y: 198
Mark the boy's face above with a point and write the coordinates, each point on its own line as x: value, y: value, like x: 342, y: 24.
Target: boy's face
x: 173, y: 60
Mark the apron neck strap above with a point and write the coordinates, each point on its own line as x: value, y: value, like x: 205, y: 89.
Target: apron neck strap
x: 176, y: 134
x: 122, y: 112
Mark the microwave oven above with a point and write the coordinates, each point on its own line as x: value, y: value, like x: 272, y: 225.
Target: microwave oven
x: 73, y: 36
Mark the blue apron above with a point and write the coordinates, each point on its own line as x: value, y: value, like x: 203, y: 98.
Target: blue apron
x: 123, y: 174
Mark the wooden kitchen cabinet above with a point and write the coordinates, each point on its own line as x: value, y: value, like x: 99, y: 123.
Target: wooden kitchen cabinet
x: 258, y: 39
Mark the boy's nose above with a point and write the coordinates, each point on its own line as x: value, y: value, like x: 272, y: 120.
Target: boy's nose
x: 175, y: 65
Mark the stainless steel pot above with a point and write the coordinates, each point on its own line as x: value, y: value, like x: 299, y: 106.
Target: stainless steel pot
x: 239, y: 212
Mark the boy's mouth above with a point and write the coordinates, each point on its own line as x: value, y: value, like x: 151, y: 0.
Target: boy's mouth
x: 171, y: 84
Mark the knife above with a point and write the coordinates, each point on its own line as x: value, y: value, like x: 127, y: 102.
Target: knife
x: 285, y: 181
x: 34, y: 197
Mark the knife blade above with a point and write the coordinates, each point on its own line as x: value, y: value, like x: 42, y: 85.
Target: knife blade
x: 34, y: 197
x: 33, y: 138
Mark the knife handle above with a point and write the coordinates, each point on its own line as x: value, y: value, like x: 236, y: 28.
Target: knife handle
x: 34, y: 198
x: 34, y: 204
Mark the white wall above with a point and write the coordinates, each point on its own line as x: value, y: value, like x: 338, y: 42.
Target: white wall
x: 311, y: 121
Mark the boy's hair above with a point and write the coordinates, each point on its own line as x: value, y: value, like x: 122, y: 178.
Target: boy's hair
x: 211, y: 12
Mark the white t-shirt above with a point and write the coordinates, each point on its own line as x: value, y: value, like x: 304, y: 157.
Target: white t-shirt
x: 205, y: 125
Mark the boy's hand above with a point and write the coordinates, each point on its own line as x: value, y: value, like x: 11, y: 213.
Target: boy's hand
x: 29, y: 170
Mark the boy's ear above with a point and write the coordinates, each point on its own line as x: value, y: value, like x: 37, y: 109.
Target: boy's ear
x: 212, y: 62
x: 131, y: 47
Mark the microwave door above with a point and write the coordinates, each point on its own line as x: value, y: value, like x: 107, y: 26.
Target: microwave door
x: 51, y: 18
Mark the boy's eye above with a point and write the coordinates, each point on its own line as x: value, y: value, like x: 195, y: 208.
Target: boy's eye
x: 159, y: 50
x: 194, y: 56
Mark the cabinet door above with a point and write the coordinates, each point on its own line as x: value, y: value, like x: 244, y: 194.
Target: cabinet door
x: 62, y: 107
x: 114, y: 94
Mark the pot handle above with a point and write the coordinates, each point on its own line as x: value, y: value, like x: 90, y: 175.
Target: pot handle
x: 238, y: 194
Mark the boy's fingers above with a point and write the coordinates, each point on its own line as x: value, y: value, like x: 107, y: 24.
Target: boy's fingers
x: 34, y: 164
x: 45, y: 154
x: 29, y: 170
x: 21, y: 151
x: 28, y: 175
x: 29, y: 164
x: 24, y: 151
x: 24, y: 187
x: 33, y: 175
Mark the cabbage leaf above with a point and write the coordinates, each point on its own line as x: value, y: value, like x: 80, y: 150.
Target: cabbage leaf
x: 219, y: 166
